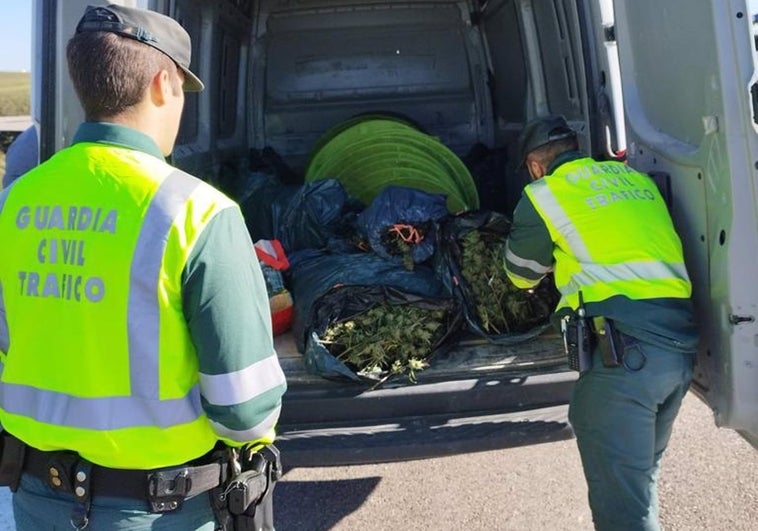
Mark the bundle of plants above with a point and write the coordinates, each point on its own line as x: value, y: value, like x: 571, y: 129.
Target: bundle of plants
x: 501, y: 307
x: 472, y: 254
x: 313, y: 275
x: 372, y: 333
x: 399, y: 224
x: 400, y: 239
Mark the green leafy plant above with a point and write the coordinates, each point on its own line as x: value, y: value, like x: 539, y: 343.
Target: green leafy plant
x: 500, y: 306
x: 392, y: 339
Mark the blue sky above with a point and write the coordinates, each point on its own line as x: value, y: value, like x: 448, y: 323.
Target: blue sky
x: 16, y: 36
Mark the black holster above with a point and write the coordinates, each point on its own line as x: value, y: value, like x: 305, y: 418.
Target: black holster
x: 12, y: 453
x: 245, y: 501
x: 609, y: 342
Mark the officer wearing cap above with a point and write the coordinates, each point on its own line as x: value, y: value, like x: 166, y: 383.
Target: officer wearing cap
x: 157, y: 355
x: 604, y: 231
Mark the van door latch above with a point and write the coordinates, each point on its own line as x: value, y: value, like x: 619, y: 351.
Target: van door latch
x: 739, y: 319
x: 609, y: 33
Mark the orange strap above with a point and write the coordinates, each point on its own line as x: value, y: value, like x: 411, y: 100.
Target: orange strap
x: 407, y: 233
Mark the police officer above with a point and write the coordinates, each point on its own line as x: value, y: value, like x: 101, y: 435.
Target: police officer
x: 135, y: 333
x: 22, y: 155
x: 604, y: 231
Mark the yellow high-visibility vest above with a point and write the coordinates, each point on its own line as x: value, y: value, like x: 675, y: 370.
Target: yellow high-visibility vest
x: 612, y: 231
x: 100, y: 360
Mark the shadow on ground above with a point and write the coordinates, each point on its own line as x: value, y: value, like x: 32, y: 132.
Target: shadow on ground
x: 318, y: 505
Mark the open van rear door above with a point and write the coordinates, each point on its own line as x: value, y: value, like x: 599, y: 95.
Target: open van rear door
x: 55, y: 107
x: 688, y: 75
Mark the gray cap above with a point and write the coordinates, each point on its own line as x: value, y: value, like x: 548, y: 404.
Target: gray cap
x: 541, y: 131
x: 148, y: 27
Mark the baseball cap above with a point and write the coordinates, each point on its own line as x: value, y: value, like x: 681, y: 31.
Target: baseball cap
x: 541, y: 131
x: 148, y: 27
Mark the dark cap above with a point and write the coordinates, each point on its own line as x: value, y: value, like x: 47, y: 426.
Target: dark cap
x: 148, y: 27
x: 541, y: 131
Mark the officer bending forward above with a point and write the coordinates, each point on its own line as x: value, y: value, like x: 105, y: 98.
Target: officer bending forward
x: 604, y: 230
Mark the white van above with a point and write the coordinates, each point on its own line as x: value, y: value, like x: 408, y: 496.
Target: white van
x: 279, y: 73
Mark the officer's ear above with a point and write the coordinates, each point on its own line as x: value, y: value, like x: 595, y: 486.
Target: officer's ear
x: 537, y: 170
x: 161, y: 87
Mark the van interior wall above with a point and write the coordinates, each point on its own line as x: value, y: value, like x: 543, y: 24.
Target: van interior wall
x: 280, y: 75
x: 422, y: 61
x: 539, y: 66
x: 502, y: 28
x: 213, y: 137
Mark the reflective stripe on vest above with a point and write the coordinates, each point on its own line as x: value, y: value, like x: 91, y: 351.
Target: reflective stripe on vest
x: 612, y: 233
x: 4, y: 338
x: 153, y: 416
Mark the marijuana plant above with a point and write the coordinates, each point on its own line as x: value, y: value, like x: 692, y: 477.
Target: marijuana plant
x: 500, y: 306
x: 393, y: 339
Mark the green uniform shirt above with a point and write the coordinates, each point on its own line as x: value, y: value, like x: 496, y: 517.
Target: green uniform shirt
x: 666, y: 321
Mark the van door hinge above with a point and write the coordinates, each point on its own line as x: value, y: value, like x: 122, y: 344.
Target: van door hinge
x: 609, y: 33
x: 739, y: 319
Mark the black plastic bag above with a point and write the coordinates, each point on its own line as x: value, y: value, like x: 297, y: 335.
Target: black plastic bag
x: 319, y: 215
x: 262, y: 200
x: 401, y: 220
x: 313, y: 273
x: 346, y: 302
x: 536, y: 304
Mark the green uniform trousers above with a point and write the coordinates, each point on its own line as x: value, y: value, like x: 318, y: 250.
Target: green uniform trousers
x: 622, y: 418
x: 38, y: 507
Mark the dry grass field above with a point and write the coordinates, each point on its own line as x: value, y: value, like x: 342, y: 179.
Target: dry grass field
x: 14, y: 93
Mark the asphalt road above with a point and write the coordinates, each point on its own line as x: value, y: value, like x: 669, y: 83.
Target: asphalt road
x: 709, y: 481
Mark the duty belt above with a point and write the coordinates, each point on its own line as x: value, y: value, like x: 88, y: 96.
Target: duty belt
x: 164, y: 489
